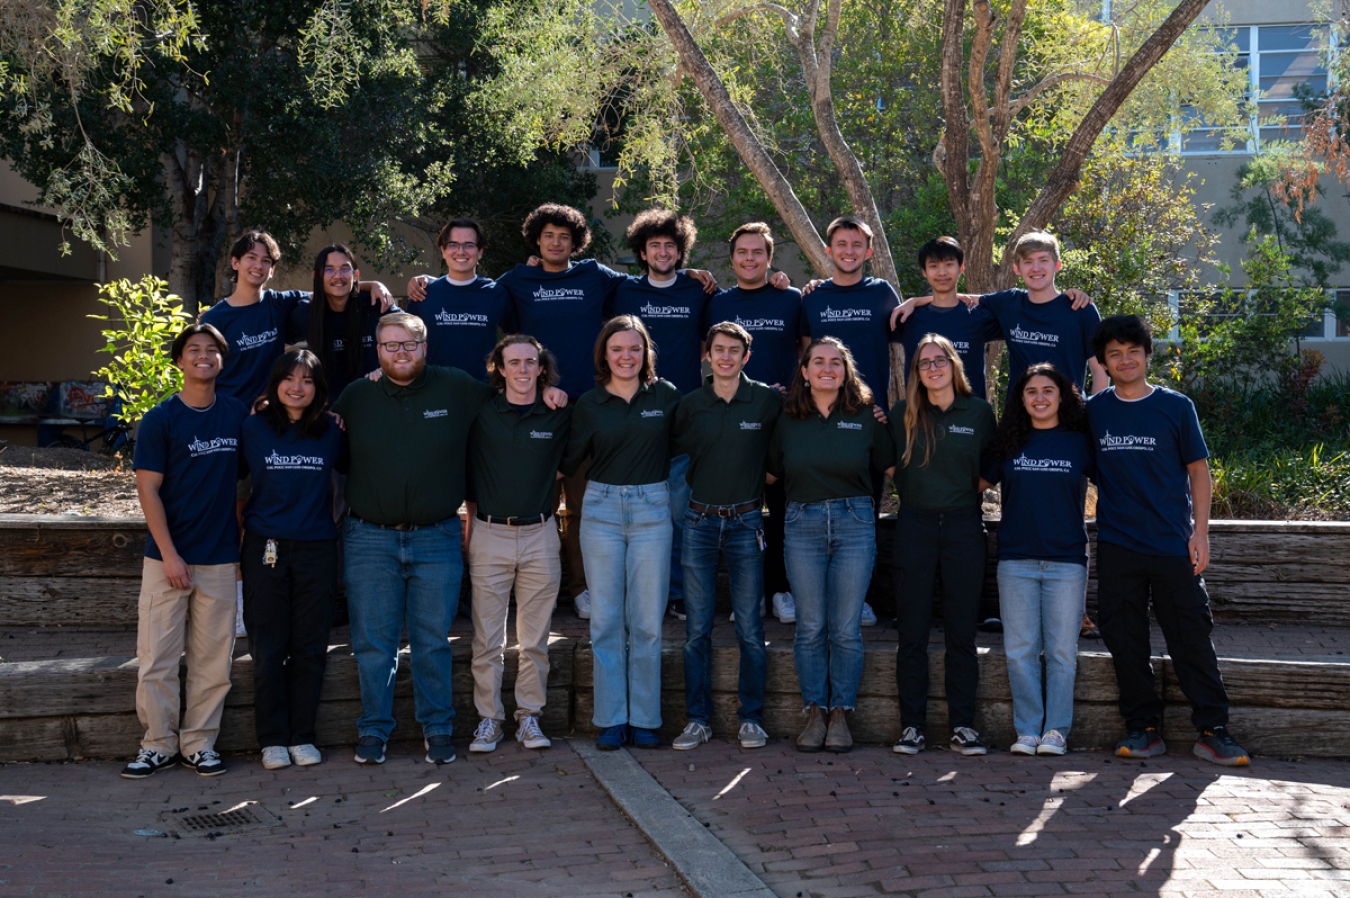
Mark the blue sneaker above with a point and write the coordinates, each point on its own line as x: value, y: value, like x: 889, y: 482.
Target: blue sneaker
x: 644, y: 738
x: 612, y: 738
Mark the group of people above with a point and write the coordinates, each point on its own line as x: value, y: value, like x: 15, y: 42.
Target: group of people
x: 772, y: 463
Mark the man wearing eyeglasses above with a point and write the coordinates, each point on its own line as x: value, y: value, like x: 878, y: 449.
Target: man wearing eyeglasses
x: 463, y: 309
x: 401, y: 541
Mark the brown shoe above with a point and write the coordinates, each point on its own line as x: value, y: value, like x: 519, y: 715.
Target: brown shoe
x: 838, y: 738
x: 813, y: 735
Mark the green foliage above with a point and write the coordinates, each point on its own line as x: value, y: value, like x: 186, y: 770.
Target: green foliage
x: 1304, y: 484
x: 143, y: 319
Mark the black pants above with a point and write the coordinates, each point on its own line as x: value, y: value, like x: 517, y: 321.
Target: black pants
x: 923, y: 542
x: 288, y: 610
x: 1125, y: 579
x: 775, y: 568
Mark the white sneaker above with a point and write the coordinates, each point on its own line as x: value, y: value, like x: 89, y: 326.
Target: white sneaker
x: 694, y: 735
x: 763, y: 607
x: 869, y: 617
x: 239, y: 631
x: 529, y: 734
x: 276, y: 757
x: 1052, y: 743
x: 486, y: 737
x: 1025, y: 745
x: 305, y: 755
x: 784, y: 608
x: 583, y: 603
x: 752, y: 735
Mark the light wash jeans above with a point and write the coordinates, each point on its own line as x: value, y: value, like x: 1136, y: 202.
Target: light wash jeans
x: 830, y: 547
x: 1041, y: 603
x: 679, y: 491
x: 396, y: 578
x: 625, y: 541
x: 707, y: 539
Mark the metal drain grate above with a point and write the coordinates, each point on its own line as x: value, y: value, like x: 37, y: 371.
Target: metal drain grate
x: 237, y: 820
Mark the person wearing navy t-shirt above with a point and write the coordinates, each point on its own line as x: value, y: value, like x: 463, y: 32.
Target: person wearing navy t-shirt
x: 186, y: 461
x: 772, y: 317
x: 1153, y: 540
x: 289, y: 556
x: 463, y: 310
x: 1042, y: 455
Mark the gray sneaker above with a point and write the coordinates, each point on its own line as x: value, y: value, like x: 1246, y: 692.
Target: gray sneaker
x: 752, y: 735
x: 486, y: 737
x: 694, y: 735
x: 529, y: 734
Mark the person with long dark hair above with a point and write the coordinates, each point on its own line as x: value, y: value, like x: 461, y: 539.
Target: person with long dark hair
x: 289, y: 555
x: 940, y: 431
x: 623, y: 426
x: 338, y: 323
x: 826, y: 447
x: 1042, y: 456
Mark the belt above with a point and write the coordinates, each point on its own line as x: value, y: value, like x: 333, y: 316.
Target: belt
x: 403, y: 528
x: 512, y: 522
x: 724, y: 511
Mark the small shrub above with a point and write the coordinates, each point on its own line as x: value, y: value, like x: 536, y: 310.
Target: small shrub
x: 143, y: 319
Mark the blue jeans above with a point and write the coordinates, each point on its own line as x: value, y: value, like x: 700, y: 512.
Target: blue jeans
x: 395, y: 578
x: 707, y: 538
x: 831, y: 547
x: 679, y: 490
x: 1041, y: 604
x: 625, y: 541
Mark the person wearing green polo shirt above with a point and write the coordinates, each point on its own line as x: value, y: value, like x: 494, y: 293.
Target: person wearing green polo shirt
x: 402, y: 563
x: 515, y: 447
x: 826, y: 446
x: 940, y: 432
x: 623, y: 426
x: 725, y: 428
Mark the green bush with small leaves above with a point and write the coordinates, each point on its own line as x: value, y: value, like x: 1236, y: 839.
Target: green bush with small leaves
x: 143, y: 318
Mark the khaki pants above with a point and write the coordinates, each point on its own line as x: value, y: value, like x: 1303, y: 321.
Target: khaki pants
x: 502, y: 556
x: 200, y: 619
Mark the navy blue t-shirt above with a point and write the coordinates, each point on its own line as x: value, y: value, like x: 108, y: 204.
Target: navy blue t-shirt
x: 564, y: 310
x: 197, y: 451
x: 1044, y: 488
x: 860, y: 316
x: 1143, y: 447
x: 1044, y: 332
x: 677, y: 318
x: 333, y: 354
x: 773, y: 318
x: 257, y: 336
x: 968, y: 329
x: 291, y: 479
x: 462, y: 323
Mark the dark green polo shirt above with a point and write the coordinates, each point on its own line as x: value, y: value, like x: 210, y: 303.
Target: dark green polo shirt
x: 727, y: 442
x: 514, y: 458
x: 951, y: 478
x: 829, y: 458
x: 628, y: 443
x: 409, y: 444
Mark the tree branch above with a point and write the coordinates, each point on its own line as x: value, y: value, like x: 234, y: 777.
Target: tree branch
x: 956, y: 137
x: 1026, y: 99
x: 985, y: 17
x: 1007, y: 58
x: 791, y: 23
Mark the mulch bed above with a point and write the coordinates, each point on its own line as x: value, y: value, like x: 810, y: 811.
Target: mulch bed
x: 66, y: 481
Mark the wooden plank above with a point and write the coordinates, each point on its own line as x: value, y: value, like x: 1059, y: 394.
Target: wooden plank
x: 1270, y: 731
x: 35, y: 739
x: 66, y: 686
x: 1312, y: 685
x: 72, y: 553
x: 68, y: 601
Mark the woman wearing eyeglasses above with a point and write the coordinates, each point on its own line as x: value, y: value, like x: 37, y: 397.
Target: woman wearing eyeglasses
x: 940, y: 430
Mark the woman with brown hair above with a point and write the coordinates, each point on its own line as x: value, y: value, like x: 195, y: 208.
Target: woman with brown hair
x: 623, y: 426
x: 826, y: 446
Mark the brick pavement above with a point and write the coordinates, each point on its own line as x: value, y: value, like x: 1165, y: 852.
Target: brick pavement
x: 943, y: 826
x: 512, y: 823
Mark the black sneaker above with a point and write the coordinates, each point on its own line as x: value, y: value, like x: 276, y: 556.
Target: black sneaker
x: 676, y: 608
x: 967, y: 742
x: 206, y: 762
x: 911, y: 742
x: 1217, y: 747
x: 369, y: 750
x: 440, y: 750
x: 148, y: 762
x: 1145, y: 743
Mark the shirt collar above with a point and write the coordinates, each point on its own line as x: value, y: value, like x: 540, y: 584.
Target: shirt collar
x: 392, y: 389
x: 743, y: 391
x: 642, y: 388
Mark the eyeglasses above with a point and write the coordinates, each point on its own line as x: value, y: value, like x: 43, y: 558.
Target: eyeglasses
x: 406, y: 345
x: 456, y: 247
x: 345, y: 271
x: 940, y: 362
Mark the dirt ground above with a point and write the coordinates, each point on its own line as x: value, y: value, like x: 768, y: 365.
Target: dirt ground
x: 65, y: 481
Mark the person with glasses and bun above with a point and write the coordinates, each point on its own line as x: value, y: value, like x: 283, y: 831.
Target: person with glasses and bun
x: 941, y: 430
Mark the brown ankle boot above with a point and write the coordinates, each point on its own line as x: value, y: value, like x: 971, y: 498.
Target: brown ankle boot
x: 838, y: 738
x: 813, y: 735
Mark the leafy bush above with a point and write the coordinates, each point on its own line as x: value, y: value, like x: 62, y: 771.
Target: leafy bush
x: 1307, y: 484
x: 143, y: 319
